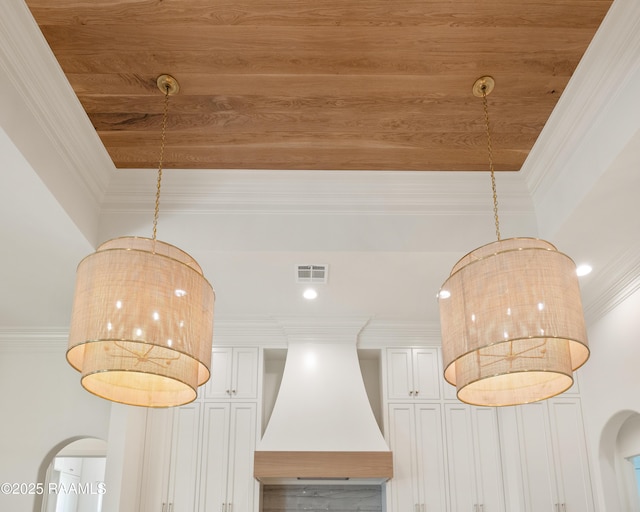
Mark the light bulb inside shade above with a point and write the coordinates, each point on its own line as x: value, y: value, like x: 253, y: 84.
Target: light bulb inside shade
x: 310, y: 294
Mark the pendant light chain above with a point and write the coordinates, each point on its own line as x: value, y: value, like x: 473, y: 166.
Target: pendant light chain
x: 490, y: 151
x: 160, y: 160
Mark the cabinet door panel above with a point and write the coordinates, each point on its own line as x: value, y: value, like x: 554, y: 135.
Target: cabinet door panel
x: 461, y: 460
x: 426, y: 374
x: 219, y: 385
x: 571, y: 455
x: 245, y: 373
x: 242, y: 486
x: 537, y: 457
x: 155, y: 463
x: 490, y: 488
x: 183, y: 481
x: 403, y: 486
x: 213, y: 485
x: 430, y: 456
x: 399, y: 374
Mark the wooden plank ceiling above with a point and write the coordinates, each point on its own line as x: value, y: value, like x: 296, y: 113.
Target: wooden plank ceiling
x: 319, y: 84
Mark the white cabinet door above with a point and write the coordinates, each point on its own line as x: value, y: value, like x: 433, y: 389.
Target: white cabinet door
x: 183, y: 475
x: 170, y: 464
x: 228, y: 444
x: 155, y: 465
x: 537, y: 461
x: 399, y: 374
x: 234, y: 373
x: 213, y: 489
x: 404, y: 494
x: 488, y: 458
x: 474, y: 459
x: 242, y: 487
x: 219, y: 385
x: 460, y: 457
x: 413, y: 374
x: 426, y: 373
x: 430, y: 457
x: 571, y: 460
x: 244, y: 377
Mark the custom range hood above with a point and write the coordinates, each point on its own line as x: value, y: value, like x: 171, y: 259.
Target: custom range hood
x: 322, y: 427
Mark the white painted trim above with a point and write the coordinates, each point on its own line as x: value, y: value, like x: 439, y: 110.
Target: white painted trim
x: 248, y: 331
x: 334, y: 192
x: 608, y: 62
x: 44, y: 118
x: 619, y: 280
x: 30, y: 63
x: 34, y: 340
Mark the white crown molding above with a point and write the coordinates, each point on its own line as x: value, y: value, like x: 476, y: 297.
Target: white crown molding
x: 266, y: 332
x: 333, y: 192
x: 595, y: 117
x: 301, y: 329
x: 28, y: 62
x: 608, y: 62
x: 367, y: 332
x: 248, y: 331
x: 618, y: 281
x: 52, y: 340
x: 380, y: 333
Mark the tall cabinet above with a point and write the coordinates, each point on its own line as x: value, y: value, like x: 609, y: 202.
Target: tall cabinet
x: 199, y: 457
x: 452, y: 457
x: 415, y: 438
x: 474, y: 459
x: 227, y: 482
x: 547, y: 457
x: 171, y: 459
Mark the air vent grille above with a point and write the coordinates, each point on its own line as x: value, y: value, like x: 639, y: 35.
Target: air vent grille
x: 312, y: 273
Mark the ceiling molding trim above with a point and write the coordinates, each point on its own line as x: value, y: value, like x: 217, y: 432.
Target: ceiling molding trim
x: 248, y: 331
x: 381, y: 333
x: 30, y: 65
x: 34, y: 340
x: 263, y: 332
x: 377, y: 192
x: 620, y: 279
x: 322, y: 329
x: 587, y: 94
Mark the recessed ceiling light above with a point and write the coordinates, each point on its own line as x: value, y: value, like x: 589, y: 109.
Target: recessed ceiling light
x: 583, y: 270
x: 444, y: 294
x: 310, y: 294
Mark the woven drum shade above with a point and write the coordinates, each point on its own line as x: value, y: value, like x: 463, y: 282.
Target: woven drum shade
x: 142, y: 323
x: 512, y: 323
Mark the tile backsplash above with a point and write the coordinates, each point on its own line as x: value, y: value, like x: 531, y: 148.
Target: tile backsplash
x: 320, y: 498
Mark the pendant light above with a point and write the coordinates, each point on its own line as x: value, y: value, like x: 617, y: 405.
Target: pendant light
x: 511, y: 315
x: 142, y: 318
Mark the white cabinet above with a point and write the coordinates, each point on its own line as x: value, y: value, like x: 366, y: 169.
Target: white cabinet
x: 170, y: 478
x: 229, y: 441
x: 413, y: 373
x: 234, y: 373
x: 550, y: 450
x: 417, y: 443
x: 474, y: 459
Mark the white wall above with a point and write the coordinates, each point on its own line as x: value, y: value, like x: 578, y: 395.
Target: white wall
x: 610, y: 387
x: 93, y: 472
x: 42, y: 407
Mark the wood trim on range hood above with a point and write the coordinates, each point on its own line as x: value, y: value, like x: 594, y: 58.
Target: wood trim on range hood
x: 284, y: 465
